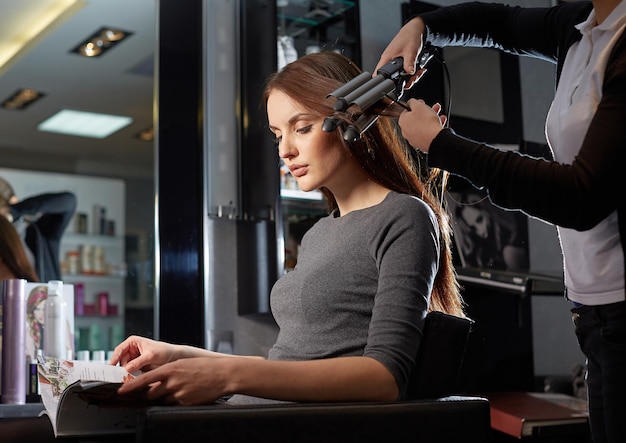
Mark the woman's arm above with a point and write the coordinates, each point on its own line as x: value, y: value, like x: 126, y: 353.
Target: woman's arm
x: 189, y: 375
x: 203, y: 380
x: 518, y: 30
x: 576, y: 196
x: 53, y: 212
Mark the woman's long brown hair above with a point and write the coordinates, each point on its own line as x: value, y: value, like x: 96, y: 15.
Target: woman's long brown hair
x: 12, y: 253
x: 381, y: 151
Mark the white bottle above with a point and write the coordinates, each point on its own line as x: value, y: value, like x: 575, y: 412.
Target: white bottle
x: 55, y: 333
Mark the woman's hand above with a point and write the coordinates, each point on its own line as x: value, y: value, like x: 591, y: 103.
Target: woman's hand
x: 140, y: 353
x: 188, y: 381
x: 421, y: 124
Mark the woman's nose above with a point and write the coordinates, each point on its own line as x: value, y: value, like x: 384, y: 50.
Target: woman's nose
x: 286, y: 149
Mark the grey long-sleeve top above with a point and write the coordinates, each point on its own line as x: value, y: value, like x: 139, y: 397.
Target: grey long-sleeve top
x: 361, y: 287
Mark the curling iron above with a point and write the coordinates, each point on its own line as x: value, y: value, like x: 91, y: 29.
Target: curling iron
x: 364, y: 91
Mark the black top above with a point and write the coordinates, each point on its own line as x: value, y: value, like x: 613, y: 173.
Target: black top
x: 517, y: 181
x: 47, y: 217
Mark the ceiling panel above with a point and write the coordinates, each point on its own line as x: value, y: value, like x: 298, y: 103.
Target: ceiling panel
x: 118, y: 82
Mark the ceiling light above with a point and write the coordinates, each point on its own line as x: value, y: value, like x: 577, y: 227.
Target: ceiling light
x: 101, y: 41
x: 21, y: 99
x: 27, y: 29
x: 84, y: 124
x: 147, y: 135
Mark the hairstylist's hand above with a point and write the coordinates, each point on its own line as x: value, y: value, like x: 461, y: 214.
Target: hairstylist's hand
x: 421, y: 124
x: 140, y: 353
x: 406, y: 44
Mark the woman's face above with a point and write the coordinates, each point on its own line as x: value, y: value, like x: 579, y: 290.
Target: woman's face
x: 314, y: 157
x: 477, y: 220
x: 38, y: 312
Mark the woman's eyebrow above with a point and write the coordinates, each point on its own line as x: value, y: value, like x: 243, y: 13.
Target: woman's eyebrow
x: 300, y: 116
x: 296, y: 118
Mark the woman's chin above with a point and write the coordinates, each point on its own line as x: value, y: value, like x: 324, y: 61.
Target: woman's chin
x: 303, y: 187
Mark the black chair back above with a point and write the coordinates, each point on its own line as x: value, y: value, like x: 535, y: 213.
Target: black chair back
x: 440, y: 356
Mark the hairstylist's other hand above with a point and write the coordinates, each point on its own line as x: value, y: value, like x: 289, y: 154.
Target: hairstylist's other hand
x: 406, y: 44
x: 421, y: 124
x: 140, y: 353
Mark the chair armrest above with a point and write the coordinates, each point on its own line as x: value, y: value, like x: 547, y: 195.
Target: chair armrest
x: 448, y: 419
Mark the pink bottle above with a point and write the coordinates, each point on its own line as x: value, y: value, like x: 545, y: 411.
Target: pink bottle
x: 13, y: 341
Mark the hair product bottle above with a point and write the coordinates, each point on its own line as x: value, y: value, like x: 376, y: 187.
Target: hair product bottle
x: 13, y: 341
x: 55, y: 323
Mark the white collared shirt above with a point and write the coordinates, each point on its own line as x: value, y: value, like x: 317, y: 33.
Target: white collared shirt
x: 593, y: 259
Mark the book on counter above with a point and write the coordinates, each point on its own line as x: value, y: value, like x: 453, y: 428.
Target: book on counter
x: 80, y: 398
x: 522, y: 414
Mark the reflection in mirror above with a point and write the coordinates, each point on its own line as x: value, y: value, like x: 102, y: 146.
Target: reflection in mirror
x: 115, y: 172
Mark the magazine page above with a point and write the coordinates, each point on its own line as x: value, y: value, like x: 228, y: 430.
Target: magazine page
x: 61, y: 384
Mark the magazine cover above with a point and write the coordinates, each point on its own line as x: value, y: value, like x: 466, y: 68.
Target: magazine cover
x: 36, y: 296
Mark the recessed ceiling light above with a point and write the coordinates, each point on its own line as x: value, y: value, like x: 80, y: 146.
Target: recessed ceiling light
x: 84, y: 124
x: 21, y: 99
x: 147, y: 135
x: 102, y: 40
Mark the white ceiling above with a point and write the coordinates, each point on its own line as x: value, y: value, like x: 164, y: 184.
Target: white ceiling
x: 118, y: 82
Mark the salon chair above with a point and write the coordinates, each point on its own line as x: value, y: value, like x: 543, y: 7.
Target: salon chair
x: 433, y: 413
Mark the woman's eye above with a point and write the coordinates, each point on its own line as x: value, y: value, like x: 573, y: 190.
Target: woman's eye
x: 304, y: 130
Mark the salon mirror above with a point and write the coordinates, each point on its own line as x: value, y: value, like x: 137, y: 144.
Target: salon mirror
x: 44, y: 48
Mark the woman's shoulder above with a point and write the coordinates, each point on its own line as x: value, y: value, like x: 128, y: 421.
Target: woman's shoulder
x: 408, y: 207
x: 402, y: 202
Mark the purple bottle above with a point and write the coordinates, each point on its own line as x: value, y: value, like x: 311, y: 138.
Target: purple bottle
x: 14, y: 341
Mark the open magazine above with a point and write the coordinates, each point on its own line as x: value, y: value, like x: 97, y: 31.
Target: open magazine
x: 80, y: 398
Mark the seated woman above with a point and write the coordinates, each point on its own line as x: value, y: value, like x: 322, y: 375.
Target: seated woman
x: 351, y: 313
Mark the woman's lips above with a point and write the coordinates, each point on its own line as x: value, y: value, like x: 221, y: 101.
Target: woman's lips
x: 298, y: 170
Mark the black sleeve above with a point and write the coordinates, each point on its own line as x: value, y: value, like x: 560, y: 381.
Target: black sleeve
x: 576, y: 196
x: 53, y: 211
x: 538, y: 32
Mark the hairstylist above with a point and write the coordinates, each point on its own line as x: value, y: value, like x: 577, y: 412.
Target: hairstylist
x: 581, y: 190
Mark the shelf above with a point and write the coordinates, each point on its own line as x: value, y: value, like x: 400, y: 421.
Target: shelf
x: 298, y: 19
x: 139, y: 305
x: 317, y: 25
x: 87, y: 278
x: 74, y: 238
x: 96, y: 316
